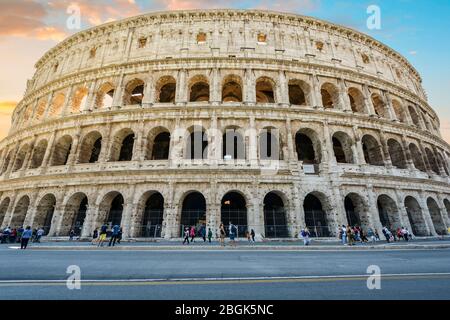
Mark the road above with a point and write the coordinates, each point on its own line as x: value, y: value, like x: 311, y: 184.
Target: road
x: 217, y: 274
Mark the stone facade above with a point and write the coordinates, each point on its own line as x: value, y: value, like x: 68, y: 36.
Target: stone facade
x: 272, y: 121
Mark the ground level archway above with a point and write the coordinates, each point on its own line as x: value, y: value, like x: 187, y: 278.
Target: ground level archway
x: 275, y: 216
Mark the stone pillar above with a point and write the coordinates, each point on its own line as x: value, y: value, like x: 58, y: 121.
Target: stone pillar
x: 253, y: 142
x: 214, y: 145
x: 13, y: 160
x: 57, y: 215
x: 299, y: 222
x: 425, y: 160
x: 215, y: 91
x: 329, y: 151
x: 48, y: 153
x: 90, y: 100
x: 290, y: 141
x: 28, y: 156
x: 129, y: 210
x: 48, y: 105
x: 181, y: 90
x: 106, y: 144
x: 390, y: 107
x: 385, y: 148
x: 409, y: 160
x: 403, y: 214
x: 426, y: 213
x: 118, y: 93
x: 90, y: 222
x: 74, y: 149
x: 149, y: 92
x: 249, y: 88
x: 443, y: 209
x: 316, y: 95
x: 282, y: 92
x: 345, y: 99
x: 10, y: 210
x: 67, y: 101
x: 340, y: 216
x: 368, y: 101
x: 374, y: 216
x: 138, y: 148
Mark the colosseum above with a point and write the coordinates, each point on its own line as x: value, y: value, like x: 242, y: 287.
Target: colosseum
x: 272, y: 121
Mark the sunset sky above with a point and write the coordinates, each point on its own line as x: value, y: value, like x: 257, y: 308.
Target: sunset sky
x: 417, y: 29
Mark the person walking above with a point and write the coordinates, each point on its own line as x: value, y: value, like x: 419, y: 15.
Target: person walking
x: 305, y: 235
x: 114, y: 235
x: 71, y: 235
x: 386, y: 234
x: 222, y: 234
x: 119, y: 236
x: 233, y: 232
x: 19, y: 233
x: 210, y: 234
x: 26, y: 236
x: 39, y: 234
x: 405, y: 234
x: 371, y: 235
x: 94, y: 236
x: 102, y: 237
x: 350, y: 236
x: 343, y: 235
x: 203, y: 233
x: 192, y: 234
x: 252, y: 233
x: 186, y: 235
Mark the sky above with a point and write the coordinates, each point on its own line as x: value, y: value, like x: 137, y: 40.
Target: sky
x: 417, y: 29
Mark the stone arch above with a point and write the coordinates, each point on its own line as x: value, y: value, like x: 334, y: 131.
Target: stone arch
x: 62, y: 151
x: 44, y: 213
x: 269, y: 144
x: 40, y: 109
x: 317, y: 218
x: 74, y: 215
x: 443, y: 163
x: 122, y: 145
x: 20, y: 212
x: 196, y: 143
x: 307, y: 145
x: 57, y: 105
x: 436, y: 217
x: 233, y: 144
x: 151, y: 215
x: 232, y: 89
x: 234, y: 209
x: 193, y: 210
x: 91, y: 146
x: 134, y: 92
x: 6, y: 162
x: 265, y: 90
x: 342, y: 147
x: 275, y: 216
x: 378, y: 105
x: 396, y: 153
x: 110, y: 209
x: 388, y: 212
x: 104, y: 96
x: 372, y: 151
x: 4, y: 205
x: 414, y: 116
x: 21, y: 157
x: 399, y: 110
x: 79, y: 99
x: 417, y: 157
x: 38, y: 154
x: 166, y: 89
x: 330, y: 95
x: 299, y: 92
x: 415, y: 216
x: 356, y: 100
x: 199, y: 89
x: 356, y: 210
x: 158, y: 144
x: 432, y: 161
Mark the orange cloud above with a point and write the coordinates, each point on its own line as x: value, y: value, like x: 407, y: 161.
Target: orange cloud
x: 6, y: 110
x: 286, y: 5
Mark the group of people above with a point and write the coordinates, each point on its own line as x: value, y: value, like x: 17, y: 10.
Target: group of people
x: 349, y: 235
x: 21, y: 235
x: 99, y: 237
x: 191, y: 232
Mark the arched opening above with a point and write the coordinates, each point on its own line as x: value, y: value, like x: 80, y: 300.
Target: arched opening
x: 193, y: 212
x: 90, y: 148
x: 307, y: 146
x: 298, y: 91
x: 315, y: 217
x: 79, y: 100
x: 134, y: 92
x: 396, y: 153
x: 4, y: 205
x: 275, y: 224
x: 356, y: 100
x: 269, y: 144
x: 166, y: 89
x: 40, y: 109
x: 44, y: 213
x: 356, y: 211
x: 342, y: 147
x: 161, y: 145
x: 114, y: 216
x: 197, y: 144
x: 20, y: 212
x: 61, y: 151
x: 74, y: 215
x: 57, y: 105
x: 432, y: 161
x: 234, y: 209
x: 105, y: 95
x: 20, y: 158
x: 265, y: 90
x: 372, y: 151
x: 388, y: 212
x: 232, y: 89
x: 443, y: 163
x: 6, y: 162
x: 38, y: 154
x: 199, y: 90
x: 414, y: 116
x: 122, y: 146
x: 415, y: 217
x: 233, y: 144
x: 417, y: 157
x: 399, y: 111
x: 378, y: 105
x: 436, y: 217
x: 330, y: 96
x: 153, y: 215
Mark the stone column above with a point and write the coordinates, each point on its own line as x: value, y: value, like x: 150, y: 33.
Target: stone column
x: 48, y: 153
x: 13, y: 160
x: 214, y: 145
x: 118, y: 93
x: 57, y: 215
x: 253, y: 141
x: 138, y: 150
x: 390, y: 107
x: 443, y: 209
x: 48, y: 105
x: 345, y: 99
x: 316, y: 95
x: 10, y: 210
x: 426, y: 214
x: 282, y: 92
x: 329, y: 151
x: 385, y: 148
x: 90, y: 223
x: 374, y: 216
x: 149, y: 92
x: 28, y: 156
x: 215, y: 91
x: 106, y: 144
x: 368, y: 101
x: 249, y: 87
x: 90, y: 100
x: 299, y: 222
x: 74, y: 149
x: 181, y: 91
x: 129, y: 210
x: 403, y: 214
x: 409, y: 160
x: 290, y: 141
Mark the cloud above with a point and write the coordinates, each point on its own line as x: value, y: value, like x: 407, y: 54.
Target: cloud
x: 6, y: 110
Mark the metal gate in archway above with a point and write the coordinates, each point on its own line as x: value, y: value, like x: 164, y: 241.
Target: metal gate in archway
x: 192, y: 218
x: 316, y: 222
x: 275, y: 223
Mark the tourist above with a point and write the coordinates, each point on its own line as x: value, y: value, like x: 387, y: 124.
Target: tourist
x: 343, y: 234
x: 13, y: 236
x: 252, y: 233
x: 405, y: 233
x: 26, y: 236
x: 350, y: 236
x: 387, y: 234
x: 19, y: 233
x: 305, y: 234
x: 363, y: 235
x: 34, y: 235
x: 186, y: 235
x: 247, y: 234
x: 377, y: 236
x: 114, y: 235
x: 71, y: 234
x: 371, y: 235
x: 233, y: 231
x: 192, y: 234
x: 119, y: 236
x: 39, y: 234
x: 210, y: 234
x: 203, y: 232
x: 6, y: 233
x: 102, y: 237
x: 94, y: 236
x: 222, y: 234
